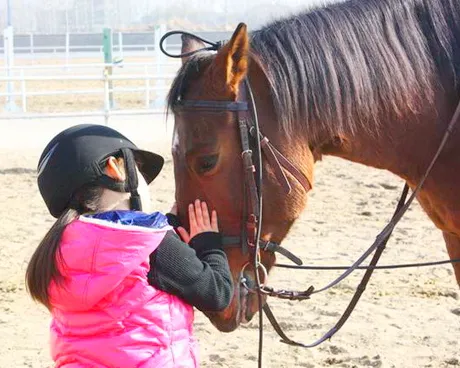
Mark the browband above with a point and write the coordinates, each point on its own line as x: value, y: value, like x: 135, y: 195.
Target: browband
x: 211, y: 105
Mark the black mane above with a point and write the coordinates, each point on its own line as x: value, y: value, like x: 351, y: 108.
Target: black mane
x: 339, y: 67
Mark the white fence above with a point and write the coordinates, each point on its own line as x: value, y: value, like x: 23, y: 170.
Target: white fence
x: 155, y: 78
x: 164, y: 74
x: 66, y: 43
x: 67, y: 49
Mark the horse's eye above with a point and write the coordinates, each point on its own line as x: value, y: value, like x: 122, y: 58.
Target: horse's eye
x: 206, y: 163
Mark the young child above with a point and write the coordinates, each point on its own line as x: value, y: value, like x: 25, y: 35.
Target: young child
x: 118, y: 281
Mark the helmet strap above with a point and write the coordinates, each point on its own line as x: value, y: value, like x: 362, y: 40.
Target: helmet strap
x: 131, y: 182
x: 129, y: 185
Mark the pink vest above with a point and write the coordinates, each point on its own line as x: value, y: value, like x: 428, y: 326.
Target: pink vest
x: 105, y: 314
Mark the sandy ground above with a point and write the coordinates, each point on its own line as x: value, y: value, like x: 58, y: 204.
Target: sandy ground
x: 407, y: 318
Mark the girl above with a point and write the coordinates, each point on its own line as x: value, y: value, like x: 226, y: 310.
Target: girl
x: 118, y: 281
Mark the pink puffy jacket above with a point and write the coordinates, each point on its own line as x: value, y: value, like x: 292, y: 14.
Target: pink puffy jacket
x: 105, y: 314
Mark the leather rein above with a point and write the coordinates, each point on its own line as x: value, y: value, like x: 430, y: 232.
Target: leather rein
x: 255, y: 146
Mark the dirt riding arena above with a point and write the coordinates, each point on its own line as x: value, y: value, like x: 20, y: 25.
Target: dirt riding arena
x: 407, y: 318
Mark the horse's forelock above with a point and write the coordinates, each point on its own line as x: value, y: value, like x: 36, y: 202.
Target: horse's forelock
x: 187, y: 73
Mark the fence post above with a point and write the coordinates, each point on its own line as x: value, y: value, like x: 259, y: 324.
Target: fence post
x: 106, y: 97
x: 120, y: 45
x: 159, y: 59
x: 8, y: 40
x: 31, y: 43
x: 147, y: 87
x: 67, y: 49
x: 23, y: 92
x: 108, y: 59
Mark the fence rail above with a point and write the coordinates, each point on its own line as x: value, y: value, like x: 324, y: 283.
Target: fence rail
x: 154, y: 77
x: 88, y: 78
x: 105, y: 114
x: 159, y: 86
x: 91, y: 65
x: 84, y: 48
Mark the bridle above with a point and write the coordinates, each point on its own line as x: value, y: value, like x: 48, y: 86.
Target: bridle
x: 255, y: 146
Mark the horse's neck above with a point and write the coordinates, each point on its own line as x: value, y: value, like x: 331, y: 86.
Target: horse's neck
x: 403, y: 146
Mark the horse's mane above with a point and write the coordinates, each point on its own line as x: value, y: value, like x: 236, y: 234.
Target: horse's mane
x: 340, y: 67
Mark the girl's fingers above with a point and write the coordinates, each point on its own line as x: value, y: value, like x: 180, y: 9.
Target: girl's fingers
x: 214, y: 224
x: 206, y: 220
x: 192, y: 219
x: 183, y: 234
x: 199, y: 215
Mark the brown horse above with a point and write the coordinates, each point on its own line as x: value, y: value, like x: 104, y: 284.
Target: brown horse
x: 371, y: 81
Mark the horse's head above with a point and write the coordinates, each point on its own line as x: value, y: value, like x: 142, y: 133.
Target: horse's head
x: 207, y: 157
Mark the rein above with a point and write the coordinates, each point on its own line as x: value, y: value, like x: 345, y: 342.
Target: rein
x: 250, y: 239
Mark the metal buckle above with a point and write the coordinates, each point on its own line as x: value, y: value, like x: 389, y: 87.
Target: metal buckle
x: 243, y: 279
x: 251, y: 229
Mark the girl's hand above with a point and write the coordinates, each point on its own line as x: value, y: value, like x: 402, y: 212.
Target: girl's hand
x: 200, y: 221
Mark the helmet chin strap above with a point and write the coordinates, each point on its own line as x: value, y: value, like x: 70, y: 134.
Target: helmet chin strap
x: 132, y: 181
x: 129, y: 185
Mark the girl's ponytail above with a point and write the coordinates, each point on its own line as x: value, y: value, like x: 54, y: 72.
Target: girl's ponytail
x: 43, y: 266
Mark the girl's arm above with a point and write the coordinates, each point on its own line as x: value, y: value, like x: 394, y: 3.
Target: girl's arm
x: 198, y: 274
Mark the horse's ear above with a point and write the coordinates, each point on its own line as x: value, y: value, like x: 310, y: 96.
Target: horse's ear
x: 233, y: 58
x: 190, y: 44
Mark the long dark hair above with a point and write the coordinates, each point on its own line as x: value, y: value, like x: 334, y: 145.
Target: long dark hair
x: 43, y: 266
x: 338, y: 68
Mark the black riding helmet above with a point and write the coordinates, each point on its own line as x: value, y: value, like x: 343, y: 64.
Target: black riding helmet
x: 76, y: 157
